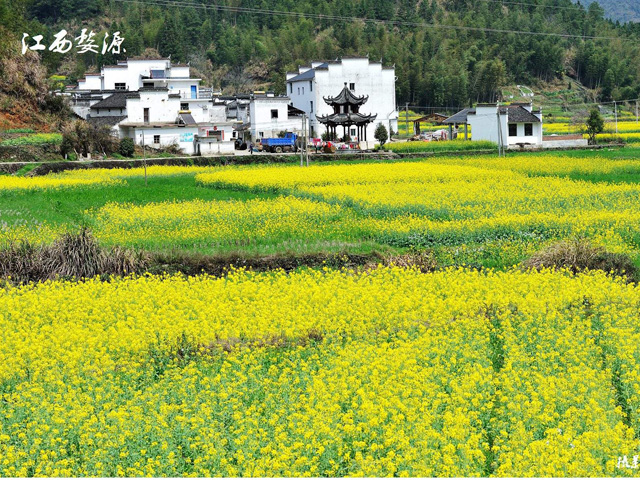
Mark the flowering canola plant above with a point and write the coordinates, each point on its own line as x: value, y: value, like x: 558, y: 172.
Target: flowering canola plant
x: 387, y: 372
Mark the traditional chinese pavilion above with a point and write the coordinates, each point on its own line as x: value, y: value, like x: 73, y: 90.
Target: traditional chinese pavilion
x: 346, y: 114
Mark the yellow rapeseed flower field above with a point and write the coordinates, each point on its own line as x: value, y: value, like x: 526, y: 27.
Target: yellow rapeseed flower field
x: 388, y: 372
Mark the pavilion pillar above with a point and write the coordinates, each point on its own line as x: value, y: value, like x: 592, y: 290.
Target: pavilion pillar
x: 466, y: 131
x: 450, y: 132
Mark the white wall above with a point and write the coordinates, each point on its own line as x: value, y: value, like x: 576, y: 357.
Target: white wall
x: 369, y: 78
x: 484, y: 124
x: 261, y: 121
x: 108, y: 112
x: 183, y: 87
x: 180, y: 72
x: 535, y: 139
x: 162, y: 108
x: 90, y: 82
x: 184, y: 137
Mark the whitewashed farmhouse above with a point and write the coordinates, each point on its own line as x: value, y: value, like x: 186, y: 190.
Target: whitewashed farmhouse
x: 514, y: 126
x: 372, y: 86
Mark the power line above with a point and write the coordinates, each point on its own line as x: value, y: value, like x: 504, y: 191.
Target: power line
x: 573, y: 7
x: 340, y: 18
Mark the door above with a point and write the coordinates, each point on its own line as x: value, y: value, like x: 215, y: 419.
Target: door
x: 146, y: 115
x: 194, y: 91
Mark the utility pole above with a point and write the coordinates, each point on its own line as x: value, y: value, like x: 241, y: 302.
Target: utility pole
x: 144, y: 159
x: 406, y: 116
x: 306, y: 142
x: 304, y: 116
x: 500, y: 146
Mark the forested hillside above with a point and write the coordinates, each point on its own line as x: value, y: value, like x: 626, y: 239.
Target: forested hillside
x: 446, y: 52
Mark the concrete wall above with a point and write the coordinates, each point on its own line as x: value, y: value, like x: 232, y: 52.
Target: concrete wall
x: 263, y: 126
x: 369, y: 78
x: 108, y: 112
x: 183, y: 87
x: 162, y: 108
x: 184, y: 137
x: 90, y: 82
x: 215, y: 148
x: 570, y: 143
x: 484, y: 124
x: 535, y: 139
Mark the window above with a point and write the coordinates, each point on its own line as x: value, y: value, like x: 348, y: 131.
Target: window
x: 261, y: 134
x: 156, y: 139
x: 98, y: 111
x: 303, y: 90
x: 311, y: 85
x: 234, y: 135
x: 274, y: 114
x: 121, y: 86
x: 291, y: 88
x: 217, y: 134
x: 513, y: 129
x: 313, y: 131
x: 184, y: 106
x: 352, y: 86
x: 528, y: 129
x: 146, y: 115
x: 298, y: 90
x: 353, y: 132
x: 312, y: 106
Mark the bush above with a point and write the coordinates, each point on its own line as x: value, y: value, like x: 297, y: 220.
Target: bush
x: 580, y: 255
x: 84, y: 138
x: 381, y: 134
x: 72, y: 256
x: 126, y: 147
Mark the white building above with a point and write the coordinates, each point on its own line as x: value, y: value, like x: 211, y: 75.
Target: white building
x: 136, y: 73
x: 311, y: 84
x: 270, y: 115
x: 514, y: 126
x: 156, y: 118
x: 158, y: 104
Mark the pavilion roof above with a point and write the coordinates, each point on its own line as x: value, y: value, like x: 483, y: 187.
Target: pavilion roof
x: 346, y: 97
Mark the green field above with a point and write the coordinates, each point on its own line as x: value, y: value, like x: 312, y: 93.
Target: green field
x: 409, y: 358
x: 179, y: 211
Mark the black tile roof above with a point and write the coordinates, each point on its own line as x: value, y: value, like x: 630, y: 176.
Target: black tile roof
x: 117, y: 100
x: 460, y: 117
x: 308, y: 75
x: 521, y: 115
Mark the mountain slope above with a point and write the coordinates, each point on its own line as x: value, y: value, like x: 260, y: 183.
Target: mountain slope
x: 622, y: 10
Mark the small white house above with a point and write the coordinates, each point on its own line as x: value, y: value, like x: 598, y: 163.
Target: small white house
x: 514, y: 126
x: 269, y: 115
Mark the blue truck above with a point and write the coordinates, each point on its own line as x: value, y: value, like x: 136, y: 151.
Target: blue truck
x: 289, y: 143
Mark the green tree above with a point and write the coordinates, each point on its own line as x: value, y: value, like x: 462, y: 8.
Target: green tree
x: 381, y: 134
x: 594, y: 125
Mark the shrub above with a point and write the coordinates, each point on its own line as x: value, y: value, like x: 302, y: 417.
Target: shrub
x: 73, y: 256
x: 579, y: 255
x: 126, y: 147
x: 381, y: 134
